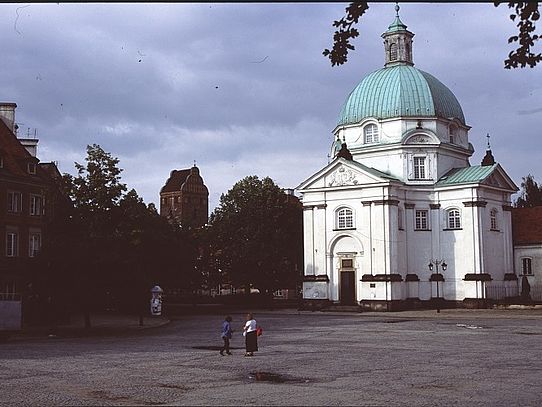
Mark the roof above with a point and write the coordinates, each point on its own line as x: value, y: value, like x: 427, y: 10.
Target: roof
x: 467, y: 175
x: 15, y: 156
x: 175, y: 181
x: 527, y: 225
x: 396, y: 25
x: 188, y: 180
x: 398, y: 91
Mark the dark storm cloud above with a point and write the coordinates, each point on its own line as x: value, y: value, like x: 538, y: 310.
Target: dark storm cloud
x: 241, y: 88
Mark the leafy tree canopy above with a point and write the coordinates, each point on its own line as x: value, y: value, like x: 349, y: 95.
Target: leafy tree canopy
x: 98, y: 186
x: 526, y: 14
x: 257, y: 234
x: 531, y: 193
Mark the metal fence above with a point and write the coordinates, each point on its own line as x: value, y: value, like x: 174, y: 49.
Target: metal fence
x: 501, y: 292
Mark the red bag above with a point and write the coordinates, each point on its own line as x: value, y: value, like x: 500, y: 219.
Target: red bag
x: 259, y: 331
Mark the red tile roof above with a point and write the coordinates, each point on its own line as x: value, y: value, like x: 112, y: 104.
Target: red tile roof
x: 527, y: 225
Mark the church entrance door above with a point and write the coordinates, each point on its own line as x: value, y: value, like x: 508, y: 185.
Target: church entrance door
x: 348, y: 282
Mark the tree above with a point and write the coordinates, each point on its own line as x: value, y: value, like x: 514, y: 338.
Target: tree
x: 95, y: 192
x: 531, y: 193
x: 111, y: 248
x: 526, y: 13
x: 257, y: 235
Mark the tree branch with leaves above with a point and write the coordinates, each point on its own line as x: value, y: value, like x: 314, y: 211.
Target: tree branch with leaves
x: 526, y: 13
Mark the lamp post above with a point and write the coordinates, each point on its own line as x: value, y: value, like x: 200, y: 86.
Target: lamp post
x: 436, y: 264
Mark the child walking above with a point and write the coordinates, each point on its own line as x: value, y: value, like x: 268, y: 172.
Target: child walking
x: 226, y: 335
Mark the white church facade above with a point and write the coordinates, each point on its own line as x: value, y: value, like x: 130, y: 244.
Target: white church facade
x: 399, y: 218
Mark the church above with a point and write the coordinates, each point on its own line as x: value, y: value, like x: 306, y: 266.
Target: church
x: 400, y: 219
x: 184, y: 198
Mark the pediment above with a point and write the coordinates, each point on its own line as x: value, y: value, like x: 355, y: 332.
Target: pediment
x: 342, y: 176
x: 495, y: 181
x: 420, y: 137
x: 499, y: 179
x: 342, y: 173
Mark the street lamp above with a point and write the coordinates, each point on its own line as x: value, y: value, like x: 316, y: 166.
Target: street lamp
x: 436, y: 264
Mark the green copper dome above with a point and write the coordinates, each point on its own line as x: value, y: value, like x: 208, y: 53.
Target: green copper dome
x: 400, y: 90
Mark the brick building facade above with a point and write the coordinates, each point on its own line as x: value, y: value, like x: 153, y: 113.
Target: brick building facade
x: 527, y: 234
x: 185, y: 198
x: 28, y: 192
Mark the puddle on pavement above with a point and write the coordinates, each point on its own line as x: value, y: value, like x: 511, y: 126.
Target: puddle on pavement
x: 269, y: 377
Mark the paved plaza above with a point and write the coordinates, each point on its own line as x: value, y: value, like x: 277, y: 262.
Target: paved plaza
x: 457, y: 357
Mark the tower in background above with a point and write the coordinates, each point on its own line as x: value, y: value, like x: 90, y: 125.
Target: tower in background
x: 185, y: 198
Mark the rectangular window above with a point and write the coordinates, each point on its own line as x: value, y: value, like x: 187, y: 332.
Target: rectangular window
x: 34, y: 244
x: 421, y: 220
x: 14, y: 201
x: 400, y: 218
x: 12, y: 244
x: 31, y: 168
x: 419, y: 167
x: 278, y: 293
x: 36, y: 205
x: 526, y: 266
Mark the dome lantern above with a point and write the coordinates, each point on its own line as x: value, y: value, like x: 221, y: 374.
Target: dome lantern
x: 398, y: 42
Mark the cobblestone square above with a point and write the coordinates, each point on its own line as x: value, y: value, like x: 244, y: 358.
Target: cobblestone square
x: 457, y: 357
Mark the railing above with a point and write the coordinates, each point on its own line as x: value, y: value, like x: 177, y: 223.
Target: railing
x: 500, y: 292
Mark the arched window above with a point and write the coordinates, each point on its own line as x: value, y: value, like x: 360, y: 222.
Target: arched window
x: 370, y: 134
x: 494, y: 225
x: 454, y: 219
x: 345, y: 218
x: 526, y: 266
x: 393, y: 52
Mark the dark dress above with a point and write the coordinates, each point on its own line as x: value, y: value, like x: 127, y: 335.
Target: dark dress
x: 251, y: 341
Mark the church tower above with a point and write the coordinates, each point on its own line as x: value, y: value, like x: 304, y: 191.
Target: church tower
x: 399, y: 218
x: 185, y: 198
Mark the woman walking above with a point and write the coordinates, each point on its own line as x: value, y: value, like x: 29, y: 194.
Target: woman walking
x: 249, y: 332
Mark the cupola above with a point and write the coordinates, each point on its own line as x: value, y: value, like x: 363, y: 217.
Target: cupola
x: 398, y: 42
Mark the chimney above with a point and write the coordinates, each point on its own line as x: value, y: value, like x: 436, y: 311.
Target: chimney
x: 31, y: 145
x: 7, y: 114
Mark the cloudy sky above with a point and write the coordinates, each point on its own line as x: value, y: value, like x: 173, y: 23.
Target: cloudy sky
x: 243, y: 89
